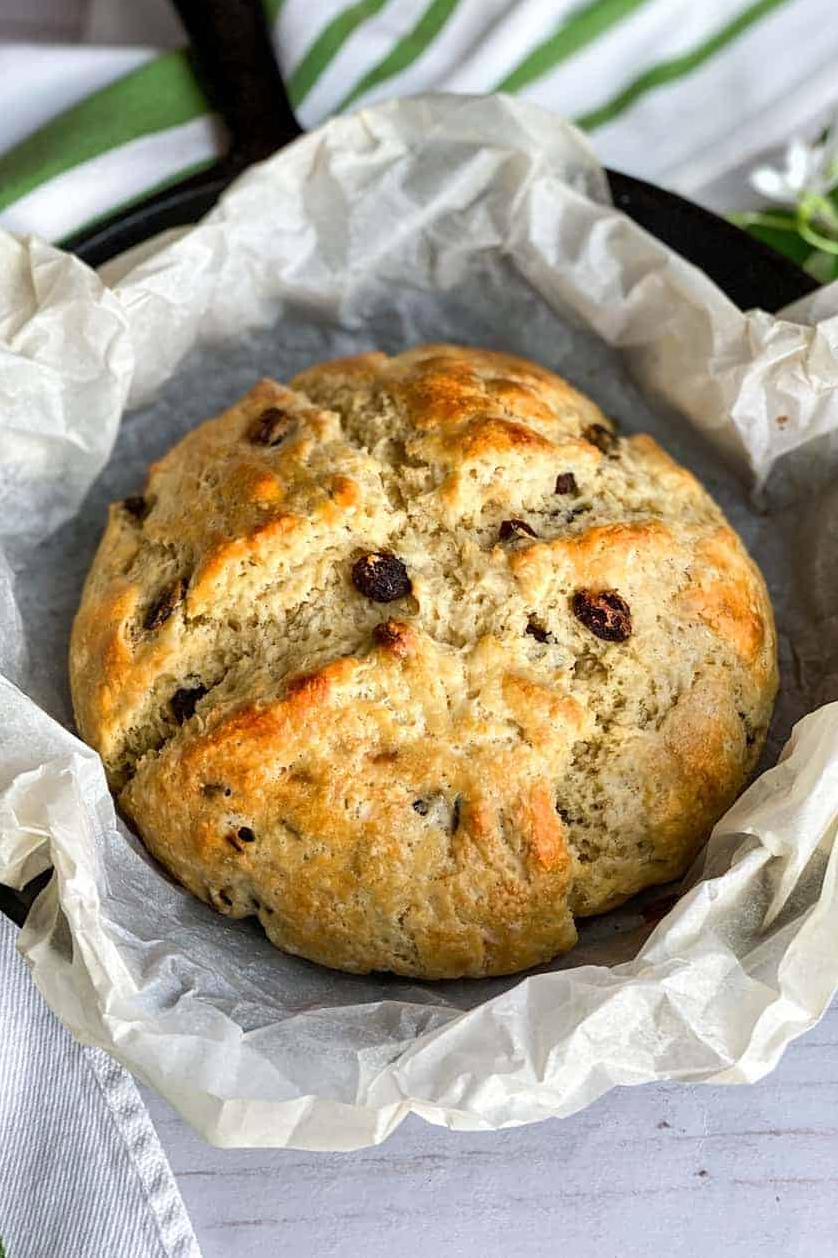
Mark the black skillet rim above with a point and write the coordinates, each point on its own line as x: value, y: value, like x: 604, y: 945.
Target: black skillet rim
x: 750, y: 273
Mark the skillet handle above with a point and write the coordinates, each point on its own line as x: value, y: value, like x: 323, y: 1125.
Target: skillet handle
x: 234, y: 59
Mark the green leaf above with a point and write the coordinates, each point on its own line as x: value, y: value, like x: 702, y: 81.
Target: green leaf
x: 822, y: 267
x: 785, y: 240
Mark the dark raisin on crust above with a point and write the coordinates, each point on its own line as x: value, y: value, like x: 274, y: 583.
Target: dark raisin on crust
x: 537, y: 631
x: 270, y: 428
x: 165, y: 603
x: 566, y: 483
x: 601, y: 437
x: 421, y: 806
x: 381, y: 576
x: 215, y: 788
x: 750, y: 733
x: 389, y: 633
x: 246, y: 834
x: 512, y: 530
x: 184, y: 701
x: 455, y: 815
x: 225, y: 899
x: 136, y: 506
x: 605, y: 612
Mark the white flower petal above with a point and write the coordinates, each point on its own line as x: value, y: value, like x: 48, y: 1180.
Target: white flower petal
x: 801, y: 164
x: 768, y: 181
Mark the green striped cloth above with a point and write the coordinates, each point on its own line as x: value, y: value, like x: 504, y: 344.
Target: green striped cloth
x: 678, y: 91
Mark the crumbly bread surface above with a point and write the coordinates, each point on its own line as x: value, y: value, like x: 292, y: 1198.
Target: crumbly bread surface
x: 569, y: 683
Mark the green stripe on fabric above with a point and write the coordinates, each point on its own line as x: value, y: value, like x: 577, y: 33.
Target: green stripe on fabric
x: 327, y: 45
x: 159, y: 95
x: 162, y: 94
x: 406, y: 51
x: 668, y: 71
x: 584, y: 26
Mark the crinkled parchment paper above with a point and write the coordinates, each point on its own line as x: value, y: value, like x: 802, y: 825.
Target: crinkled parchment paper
x: 478, y: 220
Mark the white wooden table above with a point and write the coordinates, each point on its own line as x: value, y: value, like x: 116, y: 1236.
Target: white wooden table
x: 680, y: 1172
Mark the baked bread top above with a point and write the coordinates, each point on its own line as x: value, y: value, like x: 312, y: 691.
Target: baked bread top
x: 418, y: 660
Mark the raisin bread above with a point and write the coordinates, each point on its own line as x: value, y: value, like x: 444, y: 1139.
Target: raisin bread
x: 418, y: 661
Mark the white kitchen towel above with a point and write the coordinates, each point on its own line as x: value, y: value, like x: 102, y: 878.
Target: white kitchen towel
x: 82, y: 1173
x: 675, y: 91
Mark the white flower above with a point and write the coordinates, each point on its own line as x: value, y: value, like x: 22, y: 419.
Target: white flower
x: 810, y: 170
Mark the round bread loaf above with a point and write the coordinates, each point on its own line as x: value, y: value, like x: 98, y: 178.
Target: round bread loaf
x: 418, y: 660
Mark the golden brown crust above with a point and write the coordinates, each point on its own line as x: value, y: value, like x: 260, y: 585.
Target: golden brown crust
x: 435, y: 784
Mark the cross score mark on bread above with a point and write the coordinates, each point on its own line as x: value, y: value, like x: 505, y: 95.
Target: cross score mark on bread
x: 418, y: 660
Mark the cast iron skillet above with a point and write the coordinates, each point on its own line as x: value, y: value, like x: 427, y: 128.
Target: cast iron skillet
x: 233, y: 57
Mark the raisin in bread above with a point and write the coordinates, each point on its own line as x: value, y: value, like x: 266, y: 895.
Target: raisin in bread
x: 418, y: 660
